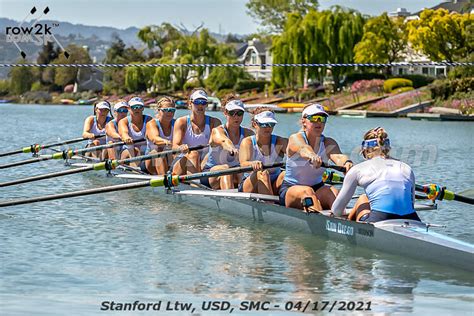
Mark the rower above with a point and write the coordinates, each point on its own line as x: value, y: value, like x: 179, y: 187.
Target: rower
x: 193, y: 130
x: 159, y: 136
x: 262, y: 148
x: 132, y: 129
x: 389, y: 184
x: 306, y: 152
x: 224, y: 146
x: 111, y: 129
x: 94, y: 126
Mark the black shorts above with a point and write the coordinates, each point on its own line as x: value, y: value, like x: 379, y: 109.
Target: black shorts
x: 376, y: 216
x: 285, y: 186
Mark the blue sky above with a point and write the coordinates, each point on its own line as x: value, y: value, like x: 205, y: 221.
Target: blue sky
x: 218, y: 15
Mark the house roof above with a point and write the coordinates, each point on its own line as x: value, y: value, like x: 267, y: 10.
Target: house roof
x: 460, y: 6
x: 240, y: 48
x: 260, y: 47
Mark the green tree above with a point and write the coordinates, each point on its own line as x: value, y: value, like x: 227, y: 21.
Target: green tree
x: 46, y: 56
x: 197, y: 47
x: 272, y: 14
x: 157, y: 36
x: 384, y: 40
x: 225, y: 77
x: 67, y: 75
x: 118, y: 53
x: 442, y: 35
x: 318, y: 37
x: 21, y: 79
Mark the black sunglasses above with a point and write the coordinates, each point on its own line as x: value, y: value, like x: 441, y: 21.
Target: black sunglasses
x: 236, y: 113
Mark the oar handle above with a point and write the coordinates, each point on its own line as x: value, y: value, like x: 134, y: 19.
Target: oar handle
x: 338, y: 168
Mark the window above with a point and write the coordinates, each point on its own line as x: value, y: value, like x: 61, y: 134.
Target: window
x: 425, y: 70
x: 253, y: 58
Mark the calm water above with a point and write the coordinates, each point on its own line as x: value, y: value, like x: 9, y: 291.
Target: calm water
x: 66, y: 257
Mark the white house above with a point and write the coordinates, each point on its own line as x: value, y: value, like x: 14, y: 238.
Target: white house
x: 254, y: 52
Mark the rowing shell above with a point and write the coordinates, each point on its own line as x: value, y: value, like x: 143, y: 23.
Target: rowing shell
x: 407, y: 238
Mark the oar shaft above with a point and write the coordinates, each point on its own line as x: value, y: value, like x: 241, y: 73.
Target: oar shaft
x: 70, y: 141
x: 100, y: 147
x: 25, y: 162
x: 158, y: 154
x: 38, y: 147
x: 64, y: 155
x: 464, y: 199
x: 13, y: 152
x: 217, y: 173
x: 47, y: 176
x: 113, y: 188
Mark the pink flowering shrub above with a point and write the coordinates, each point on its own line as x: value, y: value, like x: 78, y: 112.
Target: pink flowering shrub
x: 374, y: 85
x: 401, y: 100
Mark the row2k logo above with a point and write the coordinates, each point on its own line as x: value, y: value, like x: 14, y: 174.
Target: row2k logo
x: 36, y: 33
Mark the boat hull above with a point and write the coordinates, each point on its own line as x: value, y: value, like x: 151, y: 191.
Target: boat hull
x: 400, y: 237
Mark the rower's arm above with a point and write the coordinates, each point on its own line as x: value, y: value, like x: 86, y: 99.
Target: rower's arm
x: 296, y: 144
x: 245, y: 152
x: 348, y: 188
x: 111, y: 131
x: 153, y: 135
x: 178, y: 132
x: 219, y: 138
x: 123, y: 129
x: 87, y: 127
x: 334, y: 152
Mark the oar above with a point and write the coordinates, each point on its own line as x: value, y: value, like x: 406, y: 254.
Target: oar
x: 66, y: 154
x: 104, y: 165
x: 37, y: 147
x: 166, y: 181
x: 434, y: 191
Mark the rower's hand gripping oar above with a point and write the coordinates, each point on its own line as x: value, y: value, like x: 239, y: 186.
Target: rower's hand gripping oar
x: 105, y: 165
x: 66, y: 154
x: 164, y: 181
x: 35, y: 148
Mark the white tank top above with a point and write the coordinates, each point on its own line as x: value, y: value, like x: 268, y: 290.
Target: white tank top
x: 274, y: 157
x: 134, y: 134
x: 111, y: 139
x: 299, y: 171
x: 151, y: 146
x: 388, y: 183
x: 192, y: 139
x: 98, y: 132
x: 219, y: 156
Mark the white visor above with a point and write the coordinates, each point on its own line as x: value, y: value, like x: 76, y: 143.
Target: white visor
x: 265, y: 117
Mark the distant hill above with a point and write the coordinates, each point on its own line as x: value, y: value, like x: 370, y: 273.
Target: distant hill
x: 129, y: 35
x: 97, y: 38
